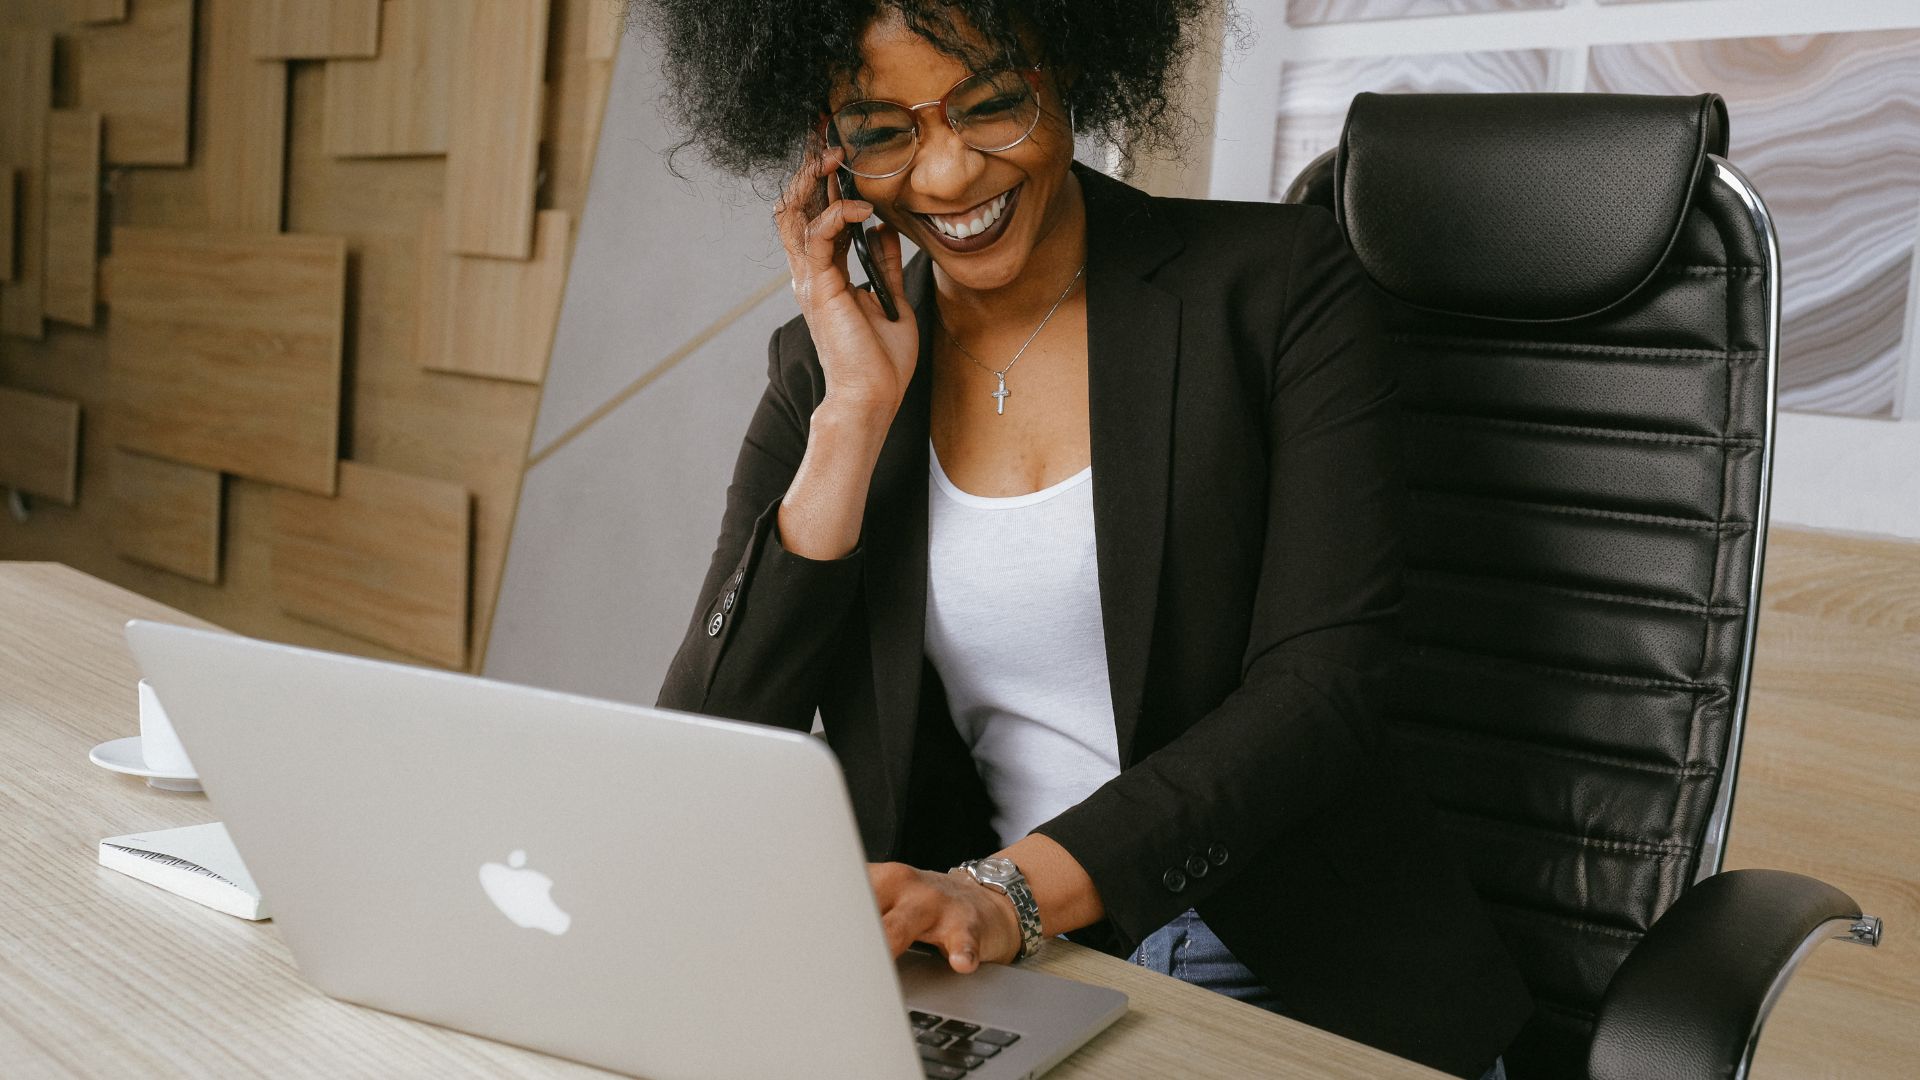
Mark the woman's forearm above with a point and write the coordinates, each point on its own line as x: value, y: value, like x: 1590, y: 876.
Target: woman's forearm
x: 825, y: 506
x: 1061, y: 888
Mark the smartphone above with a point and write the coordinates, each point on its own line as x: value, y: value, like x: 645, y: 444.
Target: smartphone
x: 850, y: 190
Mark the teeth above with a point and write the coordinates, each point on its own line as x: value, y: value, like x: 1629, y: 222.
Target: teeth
x: 976, y: 225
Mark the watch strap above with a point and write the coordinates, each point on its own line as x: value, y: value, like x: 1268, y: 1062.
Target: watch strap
x: 1029, y: 913
x: 1024, y: 906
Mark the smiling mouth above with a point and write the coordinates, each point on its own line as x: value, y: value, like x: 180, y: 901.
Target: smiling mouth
x: 976, y: 227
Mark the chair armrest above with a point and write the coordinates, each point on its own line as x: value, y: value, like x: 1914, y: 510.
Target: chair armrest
x: 1689, y: 1001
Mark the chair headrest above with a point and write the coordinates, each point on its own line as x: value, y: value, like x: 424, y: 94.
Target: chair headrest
x: 1525, y: 207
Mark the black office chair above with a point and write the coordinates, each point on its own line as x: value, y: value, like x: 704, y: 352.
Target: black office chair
x: 1584, y: 297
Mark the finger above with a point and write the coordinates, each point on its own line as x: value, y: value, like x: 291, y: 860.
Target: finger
x: 805, y: 181
x: 957, y: 940
x: 894, y: 925
x: 825, y: 233
x: 887, y: 879
x: 904, y: 925
x: 790, y: 217
x: 801, y: 199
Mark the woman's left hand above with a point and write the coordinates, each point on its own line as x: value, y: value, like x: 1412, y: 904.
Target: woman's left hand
x: 968, y: 921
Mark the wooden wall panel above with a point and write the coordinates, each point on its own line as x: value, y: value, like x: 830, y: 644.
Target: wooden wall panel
x: 396, y: 414
x: 315, y: 29
x: 430, y: 276
x: 387, y: 560
x: 26, y: 97
x: 9, y: 211
x: 100, y: 11
x: 493, y: 132
x: 167, y: 515
x: 40, y: 444
x: 226, y: 349
x: 469, y: 431
x: 604, y: 24
x: 243, y: 136
x: 500, y: 313
x: 138, y: 75
x: 396, y: 103
x: 73, y: 215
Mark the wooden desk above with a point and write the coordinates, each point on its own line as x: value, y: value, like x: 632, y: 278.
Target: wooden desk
x: 104, y: 976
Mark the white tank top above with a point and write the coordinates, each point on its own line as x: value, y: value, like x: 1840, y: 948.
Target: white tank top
x: 1013, y: 628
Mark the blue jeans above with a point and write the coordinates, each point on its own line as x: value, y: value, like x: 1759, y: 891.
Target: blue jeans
x: 1187, y: 949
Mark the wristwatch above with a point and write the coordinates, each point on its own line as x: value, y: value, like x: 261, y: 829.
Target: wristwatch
x: 1002, y: 876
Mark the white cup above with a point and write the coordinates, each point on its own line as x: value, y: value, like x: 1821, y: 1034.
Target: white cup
x: 159, y: 745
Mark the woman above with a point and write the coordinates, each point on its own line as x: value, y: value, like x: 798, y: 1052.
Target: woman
x: 1088, y: 561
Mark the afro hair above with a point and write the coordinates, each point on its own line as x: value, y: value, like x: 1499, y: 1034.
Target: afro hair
x: 747, y: 79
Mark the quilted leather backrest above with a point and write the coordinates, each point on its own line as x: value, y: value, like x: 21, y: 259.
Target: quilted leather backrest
x: 1572, y: 200
x: 1587, y: 503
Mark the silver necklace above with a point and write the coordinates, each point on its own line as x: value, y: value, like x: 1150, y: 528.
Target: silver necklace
x: 1001, y: 394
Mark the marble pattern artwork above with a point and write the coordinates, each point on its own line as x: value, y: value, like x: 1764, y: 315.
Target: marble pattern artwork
x: 1316, y: 12
x: 1827, y: 126
x: 1314, y: 94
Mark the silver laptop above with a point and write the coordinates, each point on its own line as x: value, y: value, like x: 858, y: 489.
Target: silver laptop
x: 648, y: 891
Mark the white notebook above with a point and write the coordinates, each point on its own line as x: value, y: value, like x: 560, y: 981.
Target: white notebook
x: 198, y: 862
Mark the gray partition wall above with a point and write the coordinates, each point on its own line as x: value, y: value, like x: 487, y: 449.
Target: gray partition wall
x: 660, y: 356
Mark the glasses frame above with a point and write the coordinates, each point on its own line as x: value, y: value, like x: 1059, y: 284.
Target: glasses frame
x: 832, y: 130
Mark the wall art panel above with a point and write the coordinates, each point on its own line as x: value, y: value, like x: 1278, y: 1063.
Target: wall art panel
x: 1315, y: 94
x: 1315, y: 12
x: 1828, y: 128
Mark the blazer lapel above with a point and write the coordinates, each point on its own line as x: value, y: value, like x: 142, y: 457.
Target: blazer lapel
x: 896, y: 558
x: 1133, y: 349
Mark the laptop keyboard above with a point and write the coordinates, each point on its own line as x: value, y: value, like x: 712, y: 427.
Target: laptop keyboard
x: 950, y: 1048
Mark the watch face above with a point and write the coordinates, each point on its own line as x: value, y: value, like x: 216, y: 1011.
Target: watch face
x: 998, y: 871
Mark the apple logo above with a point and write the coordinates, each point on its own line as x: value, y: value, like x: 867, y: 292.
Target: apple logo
x: 521, y: 894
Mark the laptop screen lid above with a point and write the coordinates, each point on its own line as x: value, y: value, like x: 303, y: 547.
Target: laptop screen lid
x: 709, y: 911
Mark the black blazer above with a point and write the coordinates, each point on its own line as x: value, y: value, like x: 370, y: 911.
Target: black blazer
x: 1246, y: 494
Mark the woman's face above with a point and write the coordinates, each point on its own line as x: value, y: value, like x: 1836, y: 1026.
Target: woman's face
x: 952, y: 182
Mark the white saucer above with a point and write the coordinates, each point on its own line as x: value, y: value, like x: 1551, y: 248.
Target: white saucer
x: 123, y: 756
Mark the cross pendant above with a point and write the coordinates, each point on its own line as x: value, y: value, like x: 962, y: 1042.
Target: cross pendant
x: 1000, y: 395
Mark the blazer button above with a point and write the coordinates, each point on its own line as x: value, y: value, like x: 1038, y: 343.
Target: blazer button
x: 726, y: 602
x: 713, y: 624
x: 1174, y: 880
x: 1197, y: 865
x: 1217, y: 854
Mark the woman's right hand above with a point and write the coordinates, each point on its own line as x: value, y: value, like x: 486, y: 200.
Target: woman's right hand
x: 867, y: 359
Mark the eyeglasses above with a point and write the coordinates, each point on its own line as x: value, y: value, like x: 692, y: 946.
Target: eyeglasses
x: 991, y: 111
